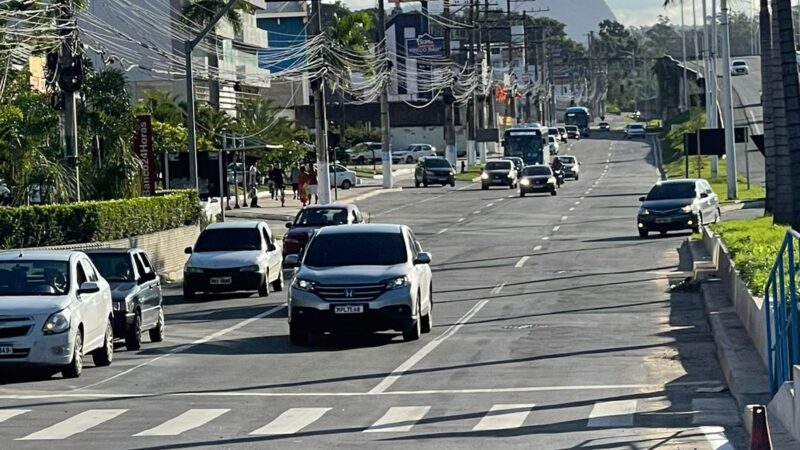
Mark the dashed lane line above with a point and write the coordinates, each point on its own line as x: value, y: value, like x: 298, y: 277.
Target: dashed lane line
x: 498, y: 288
x: 442, y: 231
x: 556, y: 228
x: 537, y: 248
x: 522, y: 261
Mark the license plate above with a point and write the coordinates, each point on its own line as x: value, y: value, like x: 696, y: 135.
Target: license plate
x: 6, y: 350
x: 348, y: 309
x: 220, y: 280
x: 663, y: 220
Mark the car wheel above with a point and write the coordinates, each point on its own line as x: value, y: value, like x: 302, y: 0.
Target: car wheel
x: 484, y: 187
x: 663, y: 233
x: 577, y: 177
x: 427, y: 322
x: 188, y: 294
x: 104, y: 355
x: 452, y: 183
x: 511, y: 186
x: 263, y: 290
x: 521, y: 193
x: 409, y: 160
x: 346, y: 184
x: 133, y: 340
x: 277, y: 285
x: 643, y: 233
x: 413, y: 333
x: 297, y: 335
x: 416, y: 182
x: 425, y: 182
x: 554, y: 192
x: 158, y: 333
x: 75, y: 368
x: 360, y: 160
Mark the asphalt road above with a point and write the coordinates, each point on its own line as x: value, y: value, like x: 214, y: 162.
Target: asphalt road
x: 747, y: 112
x: 555, y: 328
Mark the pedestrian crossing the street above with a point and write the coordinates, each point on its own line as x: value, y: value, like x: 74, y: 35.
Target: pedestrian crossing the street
x: 289, y: 421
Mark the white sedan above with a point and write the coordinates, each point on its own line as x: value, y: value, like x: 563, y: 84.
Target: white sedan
x: 554, y: 145
x: 56, y: 308
x: 413, y: 153
x: 739, y: 67
x: 342, y: 177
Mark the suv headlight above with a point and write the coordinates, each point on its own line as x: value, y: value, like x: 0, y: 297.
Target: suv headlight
x: 396, y: 283
x: 687, y: 209
x: 304, y: 285
x: 190, y: 269
x: 484, y: 176
x: 57, y: 322
x: 524, y: 181
x: 551, y: 180
x: 253, y: 268
x: 644, y: 212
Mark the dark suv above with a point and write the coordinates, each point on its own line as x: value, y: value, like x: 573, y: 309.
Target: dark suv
x: 432, y: 170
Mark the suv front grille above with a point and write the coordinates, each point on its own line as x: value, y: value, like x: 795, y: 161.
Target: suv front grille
x: 349, y: 293
x: 14, y: 331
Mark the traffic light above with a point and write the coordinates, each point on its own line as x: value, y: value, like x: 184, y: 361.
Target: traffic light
x: 70, y: 77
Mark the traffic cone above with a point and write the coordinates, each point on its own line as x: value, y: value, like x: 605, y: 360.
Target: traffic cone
x: 759, y: 439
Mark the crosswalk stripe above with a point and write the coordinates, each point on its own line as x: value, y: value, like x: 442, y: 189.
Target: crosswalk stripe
x: 74, y: 425
x: 292, y: 421
x: 6, y: 414
x: 612, y: 414
x: 191, y: 419
x: 398, y: 419
x: 504, y: 416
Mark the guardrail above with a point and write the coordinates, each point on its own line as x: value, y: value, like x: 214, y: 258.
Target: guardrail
x: 781, y: 313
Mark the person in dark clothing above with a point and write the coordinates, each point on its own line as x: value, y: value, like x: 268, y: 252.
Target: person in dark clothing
x: 279, y: 178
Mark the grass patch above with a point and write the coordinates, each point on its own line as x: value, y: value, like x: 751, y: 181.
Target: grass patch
x: 753, y: 245
x: 470, y: 173
x: 674, y: 161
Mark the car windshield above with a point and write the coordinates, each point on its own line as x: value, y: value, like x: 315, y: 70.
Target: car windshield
x: 636, y: 126
x: 113, y: 266
x: 316, y: 217
x: 498, y: 165
x: 567, y: 159
x: 669, y: 191
x: 356, y: 249
x: 552, y: 131
x: 536, y: 171
x: 739, y: 63
x: 572, y: 128
x: 34, y: 277
x: 228, y: 239
x: 437, y: 163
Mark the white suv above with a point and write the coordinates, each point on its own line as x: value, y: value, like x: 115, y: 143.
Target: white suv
x: 413, y: 153
x: 634, y: 130
x: 54, y: 308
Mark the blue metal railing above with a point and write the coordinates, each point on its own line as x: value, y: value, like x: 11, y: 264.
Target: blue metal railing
x: 780, y: 311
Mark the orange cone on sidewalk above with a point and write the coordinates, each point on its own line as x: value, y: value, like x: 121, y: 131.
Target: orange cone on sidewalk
x: 760, y: 440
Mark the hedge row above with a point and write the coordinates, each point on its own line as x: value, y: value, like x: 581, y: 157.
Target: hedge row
x: 50, y: 225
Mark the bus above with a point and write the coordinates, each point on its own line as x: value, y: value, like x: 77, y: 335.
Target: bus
x: 528, y: 143
x: 580, y: 117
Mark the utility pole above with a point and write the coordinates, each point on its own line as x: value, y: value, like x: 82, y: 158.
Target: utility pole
x: 715, y: 86
x: 591, y: 71
x: 685, y: 70
x: 709, y: 82
x: 491, y: 117
x: 480, y: 103
x: 727, y: 109
x: 190, y: 109
x: 320, y: 119
x: 447, y: 101
x: 386, y: 144
x: 471, y: 106
x: 69, y: 80
x: 511, y: 94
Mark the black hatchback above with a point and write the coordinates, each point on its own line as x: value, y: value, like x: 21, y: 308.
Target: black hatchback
x: 684, y: 204
x: 434, y: 170
x: 135, y: 293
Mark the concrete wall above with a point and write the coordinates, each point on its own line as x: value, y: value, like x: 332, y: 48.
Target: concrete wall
x: 165, y: 249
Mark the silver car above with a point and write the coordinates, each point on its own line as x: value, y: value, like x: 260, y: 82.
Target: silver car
x: 366, y: 276
x: 54, y: 308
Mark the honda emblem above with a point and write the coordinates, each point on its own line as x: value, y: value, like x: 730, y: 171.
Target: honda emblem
x: 348, y: 293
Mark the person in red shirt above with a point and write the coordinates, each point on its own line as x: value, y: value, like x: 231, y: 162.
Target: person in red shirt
x: 302, y: 183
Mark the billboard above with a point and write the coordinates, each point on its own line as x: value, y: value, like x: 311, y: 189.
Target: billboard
x: 425, y: 46
x: 143, y: 147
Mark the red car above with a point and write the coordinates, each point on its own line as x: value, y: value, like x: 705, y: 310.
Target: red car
x: 313, y: 217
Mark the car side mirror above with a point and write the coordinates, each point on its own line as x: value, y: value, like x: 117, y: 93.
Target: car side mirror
x: 291, y: 261
x: 641, y: 199
x: 288, y: 225
x: 188, y: 250
x: 704, y: 195
x: 89, y: 287
x: 149, y: 276
x: 422, y: 258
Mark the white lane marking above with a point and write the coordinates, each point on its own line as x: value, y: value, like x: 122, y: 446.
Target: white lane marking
x: 74, y: 425
x: 189, y: 420
x: 716, y: 438
x: 490, y: 205
x: 583, y: 198
x: 398, y: 419
x: 291, y: 421
x: 556, y: 228
x: 461, y: 219
x: 6, y: 414
x: 390, y: 379
x: 578, y: 202
x: 563, y: 218
x: 476, y: 212
x: 442, y: 231
x: 211, y: 337
x: 498, y: 288
x: 546, y: 238
x: 612, y: 414
x: 504, y: 417
x: 500, y: 199
x: 522, y: 261
x: 537, y: 248
x: 572, y: 209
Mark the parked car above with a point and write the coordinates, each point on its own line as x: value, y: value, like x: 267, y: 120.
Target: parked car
x: 604, y: 126
x: 573, y: 132
x: 135, y: 293
x: 572, y: 167
x: 537, y: 178
x: 433, y: 170
x: 554, y: 145
x: 342, y: 176
x: 314, y: 217
x: 633, y: 130
x: 562, y: 131
x: 54, y: 309
x: 233, y: 257
x: 685, y: 204
x: 739, y: 67
x: 344, y: 284
x: 499, y: 172
x: 413, y: 153
x: 366, y: 152
x: 5, y: 193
